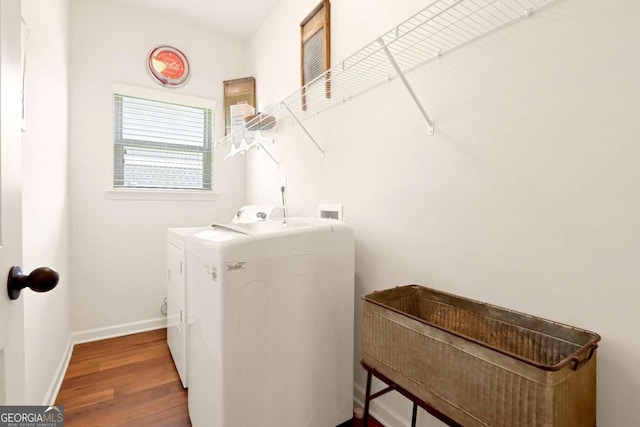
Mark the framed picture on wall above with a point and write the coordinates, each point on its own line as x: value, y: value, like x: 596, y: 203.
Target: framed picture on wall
x: 315, y: 48
x: 238, y: 91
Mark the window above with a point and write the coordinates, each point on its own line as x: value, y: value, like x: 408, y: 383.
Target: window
x: 162, y: 143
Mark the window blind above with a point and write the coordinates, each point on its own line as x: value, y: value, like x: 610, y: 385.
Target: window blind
x: 161, y: 145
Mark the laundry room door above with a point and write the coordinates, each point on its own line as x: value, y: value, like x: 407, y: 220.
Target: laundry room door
x: 12, y: 365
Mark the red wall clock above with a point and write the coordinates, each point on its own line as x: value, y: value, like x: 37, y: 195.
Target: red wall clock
x: 168, y: 66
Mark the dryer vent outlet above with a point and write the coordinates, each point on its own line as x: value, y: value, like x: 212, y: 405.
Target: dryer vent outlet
x: 331, y: 211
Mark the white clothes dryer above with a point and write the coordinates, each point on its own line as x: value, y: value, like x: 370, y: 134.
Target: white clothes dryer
x: 177, y: 297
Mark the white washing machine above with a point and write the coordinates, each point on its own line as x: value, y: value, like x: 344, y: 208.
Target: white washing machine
x: 177, y: 282
x: 271, y: 324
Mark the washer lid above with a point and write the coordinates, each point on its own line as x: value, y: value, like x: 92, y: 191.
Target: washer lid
x: 276, y: 229
x: 220, y: 234
x: 265, y: 230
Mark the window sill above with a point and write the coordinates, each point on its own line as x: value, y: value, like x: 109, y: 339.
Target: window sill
x: 161, y: 194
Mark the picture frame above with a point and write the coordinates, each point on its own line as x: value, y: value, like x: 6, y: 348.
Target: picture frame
x: 237, y: 91
x: 315, y: 48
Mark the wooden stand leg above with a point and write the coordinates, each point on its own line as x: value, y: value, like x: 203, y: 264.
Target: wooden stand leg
x: 365, y: 421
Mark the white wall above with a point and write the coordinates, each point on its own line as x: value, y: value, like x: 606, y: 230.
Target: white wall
x: 525, y: 197
x: 118, y: 246
x: 44, y: 196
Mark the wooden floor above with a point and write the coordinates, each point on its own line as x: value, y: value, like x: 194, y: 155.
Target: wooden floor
x: 127, y: 381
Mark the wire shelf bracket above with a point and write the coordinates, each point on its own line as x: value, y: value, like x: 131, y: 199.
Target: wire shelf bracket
x: 404, y: 80
x: 268, y: 153
x: 304, y: 129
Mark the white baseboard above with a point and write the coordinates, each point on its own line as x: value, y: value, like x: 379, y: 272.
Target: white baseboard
x: 381, y: 412
x: 91, y: 335
x: 54, y: 388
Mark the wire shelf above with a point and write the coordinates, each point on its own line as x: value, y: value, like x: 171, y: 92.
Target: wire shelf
x: 439, y: 28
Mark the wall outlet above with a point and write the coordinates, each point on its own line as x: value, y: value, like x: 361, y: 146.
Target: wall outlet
x: 332, y: 211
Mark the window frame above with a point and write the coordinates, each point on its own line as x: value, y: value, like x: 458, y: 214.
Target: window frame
x: 146, y: 193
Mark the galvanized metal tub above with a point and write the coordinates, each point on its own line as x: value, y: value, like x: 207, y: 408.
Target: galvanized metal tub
x: 479, y: 364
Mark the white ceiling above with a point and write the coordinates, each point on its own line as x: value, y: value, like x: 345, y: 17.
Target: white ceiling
x: 234, y: 18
